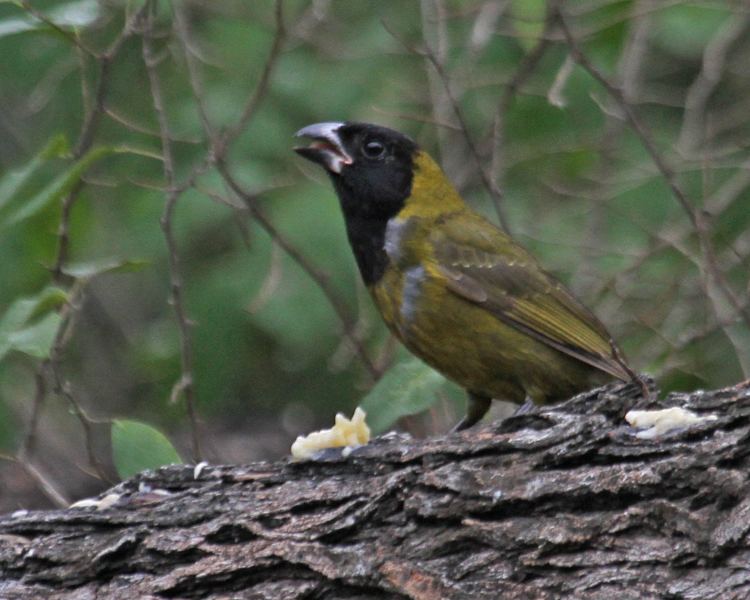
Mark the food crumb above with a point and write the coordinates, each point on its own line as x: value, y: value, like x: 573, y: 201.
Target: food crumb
x: 348, y: 433
x: 656, y: 423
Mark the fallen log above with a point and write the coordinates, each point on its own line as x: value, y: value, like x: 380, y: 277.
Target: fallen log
x: 566, y: 502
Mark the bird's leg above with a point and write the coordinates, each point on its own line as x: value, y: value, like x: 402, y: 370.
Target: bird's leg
x: 527, y: 407
x: 476, y: 407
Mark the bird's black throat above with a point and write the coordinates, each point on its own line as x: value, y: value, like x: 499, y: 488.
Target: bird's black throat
x: 367, y: 209
x: 372, y: 169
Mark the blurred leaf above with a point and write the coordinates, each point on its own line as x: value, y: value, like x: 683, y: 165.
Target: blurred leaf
x: 407, y: 388
x: 137, y: 446
x: 48, y: 299
x: 57, y: 188
x: 580, y: 191
x: 12, y: 181
x: 686, y: 30
x: 88, y: 269
x: 136, y: 151
x: 73, y: 14
x: 35, y: 339
x: 17, y: 25
x: 529, y: 21
x: 65, y: 182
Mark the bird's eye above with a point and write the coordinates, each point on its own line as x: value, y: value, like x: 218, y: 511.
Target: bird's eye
x: 373, y: 149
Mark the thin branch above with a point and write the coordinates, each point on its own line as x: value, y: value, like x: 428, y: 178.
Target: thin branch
x: 45, y: 484
x: 261, y: 89
x: 348, y: 321
x: 271, y: 281
x: 51, y: 367
x: 524, y: 71
x: 697, y: 218
x: 61, y: 387
x: 185, y: 38
x: 428, y: 53
x: 692, y: 134
x: 28, y: 445
x: 345, y: 352
x: 218, y: 158
x: 185, y: 384
x: 92, y: 117
x: 72, y: 37
x: 555, y: 94
x: 629, y: 69
x: 634, y: 121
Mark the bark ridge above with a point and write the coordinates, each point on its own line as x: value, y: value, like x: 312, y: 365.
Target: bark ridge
x: 566, y: 502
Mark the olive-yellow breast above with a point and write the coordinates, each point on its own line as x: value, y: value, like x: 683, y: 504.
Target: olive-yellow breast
x: 457, y: 291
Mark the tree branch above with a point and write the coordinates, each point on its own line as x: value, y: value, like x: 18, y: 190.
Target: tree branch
x: 184, y: 385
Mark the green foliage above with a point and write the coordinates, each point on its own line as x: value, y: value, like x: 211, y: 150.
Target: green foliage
x: 686, y: 30
x: 530, y: 20
x: 138, y: 446
x: 579, y: 190
x: 28, y: 325
x: 409, y: 387
x: 14, y: 181
x: 59, y: 187
x: 92, y: 268
x: 70, y: 15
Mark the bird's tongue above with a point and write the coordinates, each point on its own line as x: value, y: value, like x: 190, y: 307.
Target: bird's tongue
x: 325, y: 153
x: 327, y: 146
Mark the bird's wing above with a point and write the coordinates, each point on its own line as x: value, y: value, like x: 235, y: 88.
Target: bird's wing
x: 484, y: 266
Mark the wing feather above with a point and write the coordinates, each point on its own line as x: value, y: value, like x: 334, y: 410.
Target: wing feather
x: 484, y: 266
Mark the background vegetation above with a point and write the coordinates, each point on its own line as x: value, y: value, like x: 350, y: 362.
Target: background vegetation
x: 166, y: 259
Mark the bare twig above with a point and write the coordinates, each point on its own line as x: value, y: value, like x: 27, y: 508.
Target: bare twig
x: 217, y: 158
x: 72, y: 37
x: 45, y: 484
x: 270, y: 282
x: 696, y: 216
x: 525, y: 69
x: 346, y: 351
x: 184, y: 386
x: 51, y: 367
x: 61, y: 386
x: 429, y: 54
x: 28, y: 445
x: 555, y: 95
x: 629, y: 76
x: 348, y: 321
x: 261, y: 88
x: 692, y: 134
x: 92, y: 117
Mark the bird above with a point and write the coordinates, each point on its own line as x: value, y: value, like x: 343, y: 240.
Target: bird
x: 454, y: 288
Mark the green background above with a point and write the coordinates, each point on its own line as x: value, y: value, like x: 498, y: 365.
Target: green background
x: 270, y: 361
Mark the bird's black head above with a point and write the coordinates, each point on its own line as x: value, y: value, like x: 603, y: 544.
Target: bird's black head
x: 372, y: 169
x: 371, y: 166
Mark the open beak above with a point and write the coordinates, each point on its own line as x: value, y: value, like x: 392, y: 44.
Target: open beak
x: 326, y: 148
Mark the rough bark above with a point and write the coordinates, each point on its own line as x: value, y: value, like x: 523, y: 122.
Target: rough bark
x: 564, y: 503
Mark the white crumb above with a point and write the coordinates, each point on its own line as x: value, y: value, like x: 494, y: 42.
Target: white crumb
x: 99, y: 504
x: 107, y: 501
x: 85, y: 503
x: 656, y: 423
x: 199, y: 469
x: 345, y: 433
